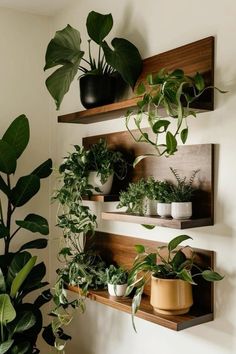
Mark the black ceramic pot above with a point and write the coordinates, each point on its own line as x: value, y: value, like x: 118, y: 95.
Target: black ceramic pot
x: 97, y: 90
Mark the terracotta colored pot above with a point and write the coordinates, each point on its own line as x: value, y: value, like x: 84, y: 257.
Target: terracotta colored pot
x: 171, y: 296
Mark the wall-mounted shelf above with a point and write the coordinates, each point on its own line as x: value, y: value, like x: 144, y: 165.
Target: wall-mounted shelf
x: 157, y: 221
x: 103, y: 198
x: 194, y: 57
x: 120, y: 249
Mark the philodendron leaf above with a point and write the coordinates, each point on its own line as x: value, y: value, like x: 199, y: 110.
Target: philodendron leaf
x: 7, y: 158
x: 125, y: 58
x: 171, y: 143
x: 176, y: 241
x: 185, y: 275
x: 39, y: 243
x: 34, y: 223
x: 209, y: 275
x: 2, y: 282
x: 24, y: 320
x: 21, y: 276
x: 160, y: 126
x: 5, y: 346
x: 139, y: 248
x: 178, y: 259
x: 26, y: 187
x: 44, y: 170
x: 199, y: 82
x: 98, y: 26
x: 184, y: 135
x: 17, y: 135
x: 17, y: 263
x: 7, y: 311
x: 21, y: 348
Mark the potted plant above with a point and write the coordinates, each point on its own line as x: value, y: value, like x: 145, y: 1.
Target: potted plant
x: 172, y: 270
x: 20, y: 317
x: 98, y: 81
x: 174, y: 92
x: 181, y: 194
x: 151, y: 196
x: 164, y: 199
x: 116, y: 280
x: 133, y: 198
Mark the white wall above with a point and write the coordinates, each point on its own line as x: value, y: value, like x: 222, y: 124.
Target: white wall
x: 23, y: 38
x: 156, y: 26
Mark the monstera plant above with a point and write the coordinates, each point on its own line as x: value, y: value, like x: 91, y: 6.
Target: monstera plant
x: 20, y: 320
x: 64, y: 51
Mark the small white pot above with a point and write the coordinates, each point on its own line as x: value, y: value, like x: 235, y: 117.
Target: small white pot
x: 117, y: 290
x: 181, y: 211
x: 95, y: 180
x: 150, y: 206
x: 164, y: 209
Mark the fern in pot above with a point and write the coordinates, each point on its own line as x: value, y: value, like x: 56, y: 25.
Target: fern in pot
x: 117, y: 278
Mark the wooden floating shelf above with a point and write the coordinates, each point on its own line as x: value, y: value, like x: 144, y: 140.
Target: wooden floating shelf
x: 194, y: 57
x: 103, y: 198
x: 176, y: 323
x: 157, y: 221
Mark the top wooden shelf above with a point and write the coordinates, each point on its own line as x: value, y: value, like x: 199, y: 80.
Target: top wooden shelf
x: 194, y: 57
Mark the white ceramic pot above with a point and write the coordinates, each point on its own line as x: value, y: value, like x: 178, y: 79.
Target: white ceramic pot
x: 95, y: 180
x: 117, y: 290
x: 164, y: 209
x: 150, y: 206
x: 181, y: 211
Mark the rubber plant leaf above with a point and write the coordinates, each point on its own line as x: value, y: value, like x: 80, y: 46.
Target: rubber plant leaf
x: 34, y: 223
x: 26, y: 187
x: 21, y: 276
x: 39, y: 243
x: 7, y: 158
x: 7, y: 311
x: 5, y: 346
x: 35, y: 277
x: 44, y: 170
x: 125, y: 58
x: 18, y: 134
x: 98, y: 26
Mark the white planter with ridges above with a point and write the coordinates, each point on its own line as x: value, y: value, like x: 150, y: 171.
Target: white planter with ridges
x: 150, y: 206
x: 164, y: 209
x: 117, y: 290
x: 95, y: 180
x: 181, y: 211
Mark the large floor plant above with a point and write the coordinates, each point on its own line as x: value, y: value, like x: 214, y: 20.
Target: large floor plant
x: 20, y: 320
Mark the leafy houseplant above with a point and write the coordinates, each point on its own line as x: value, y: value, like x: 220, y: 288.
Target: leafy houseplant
x: 174, y: 92
x: 168, y: 264
x: 117, y: 280
x: 133, y: 197
x: 64, y: 50
x: 20, y: 320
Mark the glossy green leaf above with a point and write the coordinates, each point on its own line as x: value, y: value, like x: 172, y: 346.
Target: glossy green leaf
x: 17, y: 263
x: 2, y: 282
x: 125, y: 58
x: 5, y: 346
x: 21, y: 348
x: 44, y: 170
x: 21, y: 276
x: 185, y: 275
x: 23, y: 321
x: 199, y: 82
x: 141, y: 89
x: 26, y: 187
x: 7, y: 158
x: 39, y: 243
x: 160, y: 126
x: 176, y: 241
x: 178, y: 259
x: 36, y: 275
x: 98, y: 26
x: 7, y: 311
x: 34, y: 223
x: 17, y: 135
x: 209, y: 275
x: 149, y: 227
x: 184, y: 135
x: 171, y: 143
x: 139, y: 248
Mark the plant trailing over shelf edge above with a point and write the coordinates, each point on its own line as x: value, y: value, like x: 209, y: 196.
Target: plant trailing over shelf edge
x: 20, y: 320
x: 64, y: 50
x: 174, y: 92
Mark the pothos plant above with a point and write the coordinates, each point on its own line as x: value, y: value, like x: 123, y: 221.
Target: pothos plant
x: 171, y: 92
x: 81, y: 266
x: 20, y: 319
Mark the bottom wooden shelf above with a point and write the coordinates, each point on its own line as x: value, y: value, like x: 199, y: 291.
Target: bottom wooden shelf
x: 176, y: 323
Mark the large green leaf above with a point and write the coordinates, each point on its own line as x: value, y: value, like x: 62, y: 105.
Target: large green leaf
x: 59, y: 82
x: 17, y: 263
x: 17, y: 135
x: 26, y: 187
x: 6, y: 345
x: 125, y: 58
x: 21, y: 276
x: 176, y: 241
x: 21, y: 348
x: 64, y: 48
x: 98, y: 26
x: 36, y: 275
x: 44, y: 170
x: 23, y: 321
x: 34, y: 223
x: 2, y: 282
x: 39, y: 243
x: 7, y: 311
x: 7, y: 158
x: 171, y: 143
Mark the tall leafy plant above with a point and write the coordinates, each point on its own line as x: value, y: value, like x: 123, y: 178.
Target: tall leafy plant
x: 64, y: 51
x: 20, y: 320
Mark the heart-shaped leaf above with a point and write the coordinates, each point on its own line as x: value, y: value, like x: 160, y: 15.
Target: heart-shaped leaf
x: 34, y: 223
x: 98, y: 26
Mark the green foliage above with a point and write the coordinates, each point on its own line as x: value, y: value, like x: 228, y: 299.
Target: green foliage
x: 184, y: 190
x: 116, y: 275
x: 165, y: 192
x: 166, y: 262
x: 174, y: 92
x: 133, y: 197
x: 20, y: 322
x: 64, y: 50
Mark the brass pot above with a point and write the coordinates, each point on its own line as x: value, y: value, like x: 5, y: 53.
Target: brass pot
x: 171, y: 296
